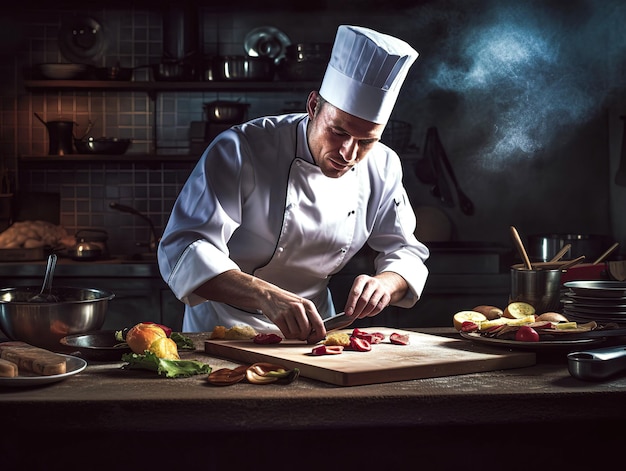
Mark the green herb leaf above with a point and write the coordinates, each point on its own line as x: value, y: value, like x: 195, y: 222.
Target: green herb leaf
x: 168, y: 368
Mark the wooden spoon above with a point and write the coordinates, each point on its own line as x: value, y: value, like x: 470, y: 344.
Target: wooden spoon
x: 561, y: 252
x: 520, y: 248
x: 608, y: 252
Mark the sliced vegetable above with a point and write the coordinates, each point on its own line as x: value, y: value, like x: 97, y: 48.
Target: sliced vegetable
x: 227, y: 376
x: 399, y: 339
x: 371, y: 337
x: 267, y: 339
x: 327, y: 350
x: 469, y: 326
x: 360, y: 345
x: 265, y: 373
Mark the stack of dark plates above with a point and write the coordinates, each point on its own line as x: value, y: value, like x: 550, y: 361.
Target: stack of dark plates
x: 600, y: 301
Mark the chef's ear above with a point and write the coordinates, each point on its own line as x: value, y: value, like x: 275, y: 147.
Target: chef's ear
x: 312, y: 103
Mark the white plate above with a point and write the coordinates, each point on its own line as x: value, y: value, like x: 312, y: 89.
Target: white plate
x: 74, y: 365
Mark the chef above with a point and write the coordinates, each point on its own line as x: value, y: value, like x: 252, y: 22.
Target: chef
x: 277, y: 205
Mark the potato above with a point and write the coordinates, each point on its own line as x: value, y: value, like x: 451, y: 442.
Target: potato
x: 490, y: 312
x: 463, y: 316
x: 552, y: 317
x: 518, y: 310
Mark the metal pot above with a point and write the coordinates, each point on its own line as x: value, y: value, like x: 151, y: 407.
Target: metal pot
x: 78, y: 310
x: 542, y: 247
x: 226, y: 112
x: 91, y: 244
x: 242, y: 68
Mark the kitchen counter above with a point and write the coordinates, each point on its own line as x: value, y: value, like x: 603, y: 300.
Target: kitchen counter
x: 539, y: 408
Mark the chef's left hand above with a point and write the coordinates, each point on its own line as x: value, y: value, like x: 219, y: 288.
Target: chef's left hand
x: 371, y: 294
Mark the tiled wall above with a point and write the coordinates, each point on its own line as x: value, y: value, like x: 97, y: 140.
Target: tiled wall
x: 157, y: 124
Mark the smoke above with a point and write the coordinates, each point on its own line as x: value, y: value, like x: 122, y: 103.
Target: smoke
x: 530, y: 67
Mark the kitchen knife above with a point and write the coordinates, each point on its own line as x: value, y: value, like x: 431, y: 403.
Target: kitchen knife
x: 339, y: 321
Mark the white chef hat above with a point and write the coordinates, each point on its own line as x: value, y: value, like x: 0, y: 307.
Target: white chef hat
x: 365, y: 72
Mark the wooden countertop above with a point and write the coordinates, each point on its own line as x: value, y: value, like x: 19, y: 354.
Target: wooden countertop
x: 105, y: 400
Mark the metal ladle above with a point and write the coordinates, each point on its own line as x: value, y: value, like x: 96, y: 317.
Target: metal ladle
x: 47, y: 284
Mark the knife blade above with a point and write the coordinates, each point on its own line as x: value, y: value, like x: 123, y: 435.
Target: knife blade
x: 339, y: 321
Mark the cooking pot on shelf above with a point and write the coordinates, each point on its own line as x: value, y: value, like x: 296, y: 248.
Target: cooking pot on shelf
x: 242, y: 68
x: 91, y: 244
x: 542, y: 247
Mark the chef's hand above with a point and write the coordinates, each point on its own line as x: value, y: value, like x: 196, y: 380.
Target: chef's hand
x: 296, y: 317
x: 371, y: 294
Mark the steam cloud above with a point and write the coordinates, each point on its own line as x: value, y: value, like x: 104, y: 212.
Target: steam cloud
x: 529, y: 66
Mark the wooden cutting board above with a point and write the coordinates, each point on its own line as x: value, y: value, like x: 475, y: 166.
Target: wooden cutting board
x: 426, y: 356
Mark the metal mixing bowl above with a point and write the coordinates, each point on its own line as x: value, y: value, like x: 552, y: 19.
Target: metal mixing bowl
x: 79, y: 310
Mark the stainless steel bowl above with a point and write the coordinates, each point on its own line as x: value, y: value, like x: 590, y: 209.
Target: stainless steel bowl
x: 226, y: 112
x: 79, y: 310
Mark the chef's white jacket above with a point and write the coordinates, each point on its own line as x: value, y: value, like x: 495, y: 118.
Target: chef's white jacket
x: 257, y: 202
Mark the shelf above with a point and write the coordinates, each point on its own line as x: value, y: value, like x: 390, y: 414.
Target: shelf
x: 129, y: 158
x: 152, y: 87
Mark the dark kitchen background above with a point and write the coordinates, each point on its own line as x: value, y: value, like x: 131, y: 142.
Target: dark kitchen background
x: 526, y: 98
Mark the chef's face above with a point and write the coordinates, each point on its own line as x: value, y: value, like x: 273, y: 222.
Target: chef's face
x: 338, y: 140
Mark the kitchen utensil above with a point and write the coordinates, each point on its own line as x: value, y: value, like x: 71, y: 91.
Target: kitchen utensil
x: 465, y: 203
x: 60, y: 136
x: 542, y: 247
x: 101, y: 345
x: 608, y: 252
x: 539, y: 288
x: 46, y: 287
x: 597, y: 364
x: 339, y: 321
x: 226, y: 112
x: 304, y: 61
x: 432, y: 152
x: 242, y: 68
x: 82, y: 39
x: 620, y: 175
x: 520, y: 248
x: 102, y: 145
x: 78, y: 310
x: 571, y: 263
x: 91, y: 244
x: 561, y: 253
x: 426, y: 356
x: 266, y: 41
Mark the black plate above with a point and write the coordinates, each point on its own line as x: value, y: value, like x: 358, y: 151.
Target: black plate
x: 100, y: 345
x: 535, y: 346
x: 598, y: 288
